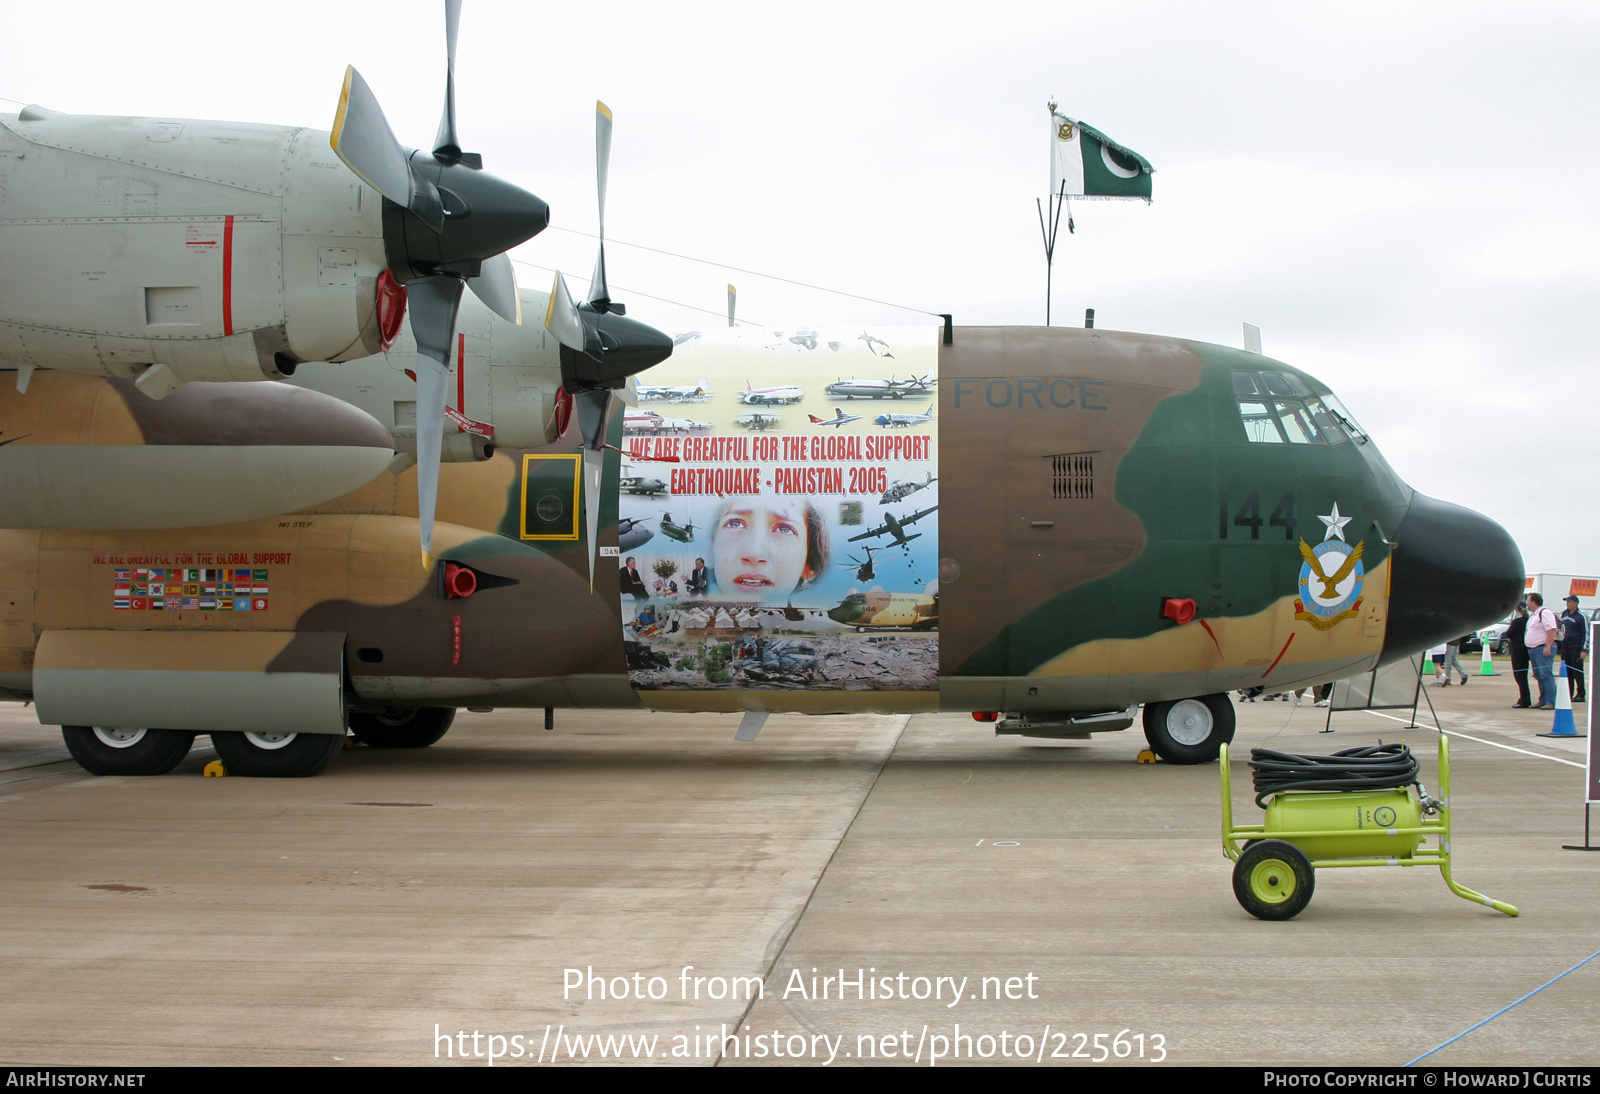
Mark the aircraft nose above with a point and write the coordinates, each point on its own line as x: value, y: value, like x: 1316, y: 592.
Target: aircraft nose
x: 1454, y: 571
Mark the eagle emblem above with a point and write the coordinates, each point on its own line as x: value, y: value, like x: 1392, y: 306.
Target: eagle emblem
x: 1331, y: 576
x: 1064, y: 131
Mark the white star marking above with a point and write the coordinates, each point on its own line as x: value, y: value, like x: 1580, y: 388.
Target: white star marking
x: 1335, y: 524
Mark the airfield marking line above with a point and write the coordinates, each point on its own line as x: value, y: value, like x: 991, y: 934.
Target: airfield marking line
x: 30, y: 767
x: 1481, y: 741
x: 794, y: 925
x: 1502, y: 1010
x: 35, y: 778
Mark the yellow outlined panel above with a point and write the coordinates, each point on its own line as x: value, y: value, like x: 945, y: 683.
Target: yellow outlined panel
x: 556, y: 496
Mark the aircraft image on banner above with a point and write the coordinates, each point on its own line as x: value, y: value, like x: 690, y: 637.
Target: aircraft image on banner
x: 878, y: 610
x: 217, y: 480
x: 878, y: 346
x: 902, y: 490
x: 770, y: 396
x: 896, y: 528
x: 839, y: 418
x: 632, y: 534
x: 880, y: 389
x: 898, y: 421
x: 648, y: 422
x: 683, y: 533
x: 757, y: 421
x: 864, y: 570
x: 641, y: 484
x: 681, y: 393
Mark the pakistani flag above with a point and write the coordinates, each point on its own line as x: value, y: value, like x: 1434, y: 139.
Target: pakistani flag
x: 1092, y: 164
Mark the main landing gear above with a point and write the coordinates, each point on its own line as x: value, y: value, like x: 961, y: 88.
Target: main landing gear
x: 1189, y: 731
x: 277, y: 755
x: 119, y: 750
x: 417, y: 727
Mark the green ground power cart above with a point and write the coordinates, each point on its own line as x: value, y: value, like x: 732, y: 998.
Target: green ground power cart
x: 1359, y: 807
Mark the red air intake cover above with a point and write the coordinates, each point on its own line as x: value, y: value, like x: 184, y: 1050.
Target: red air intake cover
x: 459, y: 581
x: 1180, y: 609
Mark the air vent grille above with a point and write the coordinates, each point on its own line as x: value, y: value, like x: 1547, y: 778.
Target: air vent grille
x: 1072, y: 476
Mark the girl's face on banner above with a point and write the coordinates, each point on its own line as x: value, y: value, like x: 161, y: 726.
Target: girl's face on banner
x: 759, y: 547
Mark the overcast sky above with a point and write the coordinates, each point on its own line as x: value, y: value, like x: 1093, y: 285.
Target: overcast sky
x: 1403, y: 196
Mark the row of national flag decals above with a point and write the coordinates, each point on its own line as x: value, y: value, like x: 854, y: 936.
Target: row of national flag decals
x: 187, y: 589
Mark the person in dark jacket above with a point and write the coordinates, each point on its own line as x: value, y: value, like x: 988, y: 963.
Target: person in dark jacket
x: 1515, y: 635
x: 1575, y: 648
x: 632, y: 582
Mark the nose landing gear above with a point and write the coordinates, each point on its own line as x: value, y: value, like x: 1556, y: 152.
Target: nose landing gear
x: 1189, y: 731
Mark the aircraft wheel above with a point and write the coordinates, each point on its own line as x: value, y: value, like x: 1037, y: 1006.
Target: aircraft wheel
x: 113, y: 750
x: 417, y: 727
x: 277, y: 755
x: 1189, y: 731
x: 1273, y: 879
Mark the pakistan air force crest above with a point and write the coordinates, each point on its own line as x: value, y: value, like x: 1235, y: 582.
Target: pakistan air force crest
x: 1331, y: 576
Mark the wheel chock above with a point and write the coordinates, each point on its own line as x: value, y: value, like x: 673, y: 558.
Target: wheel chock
x: 1147, y: 757
x: 216, y: 769
x: 351, y: 742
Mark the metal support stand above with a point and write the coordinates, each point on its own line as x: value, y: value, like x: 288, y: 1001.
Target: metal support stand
x: 1588, y: 845
x: 1418, y: 694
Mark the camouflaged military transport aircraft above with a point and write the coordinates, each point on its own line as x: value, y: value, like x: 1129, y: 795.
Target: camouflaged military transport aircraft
x: 221, y: 451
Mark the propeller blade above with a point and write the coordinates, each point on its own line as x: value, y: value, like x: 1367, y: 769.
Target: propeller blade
x: 561, y: 317
x: 434, y: 302
x: 599, y: 291
x: 593, y: 464
x: 446, y: 143
x: 363, y: 140
x: 733, y: 298
x: 496, y: 286
x: 594, y: 414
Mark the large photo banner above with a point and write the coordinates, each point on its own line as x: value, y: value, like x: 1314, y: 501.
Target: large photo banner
x: 779, y: 512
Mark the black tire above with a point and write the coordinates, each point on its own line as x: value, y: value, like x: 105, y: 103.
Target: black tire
x: 104, y: 750
x: 1273, y: 880
x: 1189, y: 731
x: 277, y: 756
x: 398, y: 727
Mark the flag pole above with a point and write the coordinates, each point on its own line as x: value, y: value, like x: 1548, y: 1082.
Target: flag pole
x: 1057, y: 203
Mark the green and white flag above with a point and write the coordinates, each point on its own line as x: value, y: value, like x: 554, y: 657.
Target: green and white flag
x: 1092, y: 165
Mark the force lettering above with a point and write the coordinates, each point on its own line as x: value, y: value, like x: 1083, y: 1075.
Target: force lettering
x: 1031, y: 393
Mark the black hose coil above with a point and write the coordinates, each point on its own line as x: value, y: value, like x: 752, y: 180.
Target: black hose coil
x: 1370, y: 767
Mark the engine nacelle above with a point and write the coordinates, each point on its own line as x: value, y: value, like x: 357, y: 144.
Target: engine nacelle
x: 222, y: 250
x: 502, y: 376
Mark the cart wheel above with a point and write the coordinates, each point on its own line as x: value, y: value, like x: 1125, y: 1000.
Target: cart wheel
x: 1273, y: 880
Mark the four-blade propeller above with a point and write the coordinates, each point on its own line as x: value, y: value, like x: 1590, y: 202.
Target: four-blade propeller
x: 447, y: 225
x: 600, y: 346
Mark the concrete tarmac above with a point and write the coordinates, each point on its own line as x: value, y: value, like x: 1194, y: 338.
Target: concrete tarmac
x: 341, y: 919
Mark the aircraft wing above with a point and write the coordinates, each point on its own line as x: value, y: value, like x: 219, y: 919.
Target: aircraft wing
x: 918, y: 515
x: 880, y: 530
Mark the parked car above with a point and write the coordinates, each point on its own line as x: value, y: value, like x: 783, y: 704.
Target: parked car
x: 1495, y: 636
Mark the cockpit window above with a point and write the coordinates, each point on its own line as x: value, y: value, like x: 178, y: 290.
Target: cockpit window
x: 1260, y: 425
x: 1342, y: 416
x: 1284, y: 383
x: 1278, y: 408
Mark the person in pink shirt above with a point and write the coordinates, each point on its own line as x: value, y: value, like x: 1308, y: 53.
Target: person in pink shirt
x: 1544, y: 630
